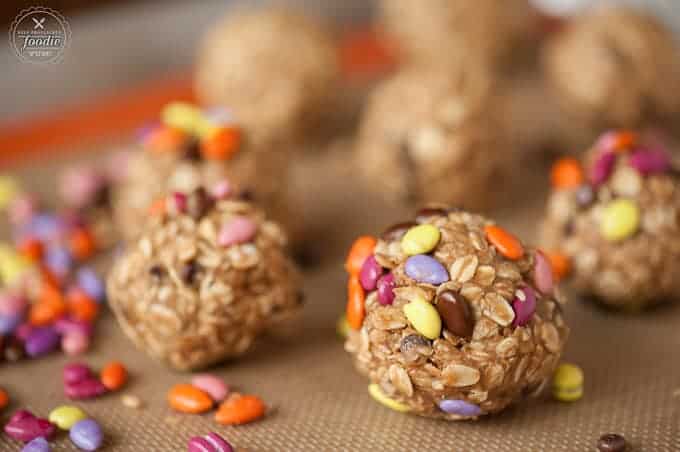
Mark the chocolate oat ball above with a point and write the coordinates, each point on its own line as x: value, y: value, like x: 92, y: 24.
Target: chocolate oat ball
x: 613, y: 67
x: 193, y: 148
x: 487, y: 32
x: 451, y: 316
x: 434, y: 136
x: 208, y: 274
x: 276, y: 69
x: 616, y: 218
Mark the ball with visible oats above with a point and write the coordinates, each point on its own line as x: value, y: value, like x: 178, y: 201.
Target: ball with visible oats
x: 208, y: 274
x: 191, y: 148
x: 616, y: 218
x: 492, y: 33
x: 613, y: 68
x: 434, y: 136
x: 277, y: 69
x: 451, y: 316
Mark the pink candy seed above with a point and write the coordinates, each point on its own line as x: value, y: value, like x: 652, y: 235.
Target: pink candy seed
x: 370, y: 273
x: 179, y: 202
x: 11, y: 304
x: 650, y: 161
x: 75, y: 373
x: 24, y: 426
x: 88, y: 388
x: 385, y: 289
x: 212, y: 385
x: 524, y: 309
x: 222, y: 190
x: 543, y: 275
x: 602, y: 168
x: 75, y: 343
x: 237, y: 230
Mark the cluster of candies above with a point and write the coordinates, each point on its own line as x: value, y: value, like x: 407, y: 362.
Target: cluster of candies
x: 239, y: 229
x: 50, y: 299
x: 204, y: 391
x: 621, y: 216
x: 209, y: 134
x: 418, y: 240
x: 24, y: 426
x: 81, y: 383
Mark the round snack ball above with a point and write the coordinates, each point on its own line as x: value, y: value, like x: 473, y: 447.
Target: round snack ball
x: 276, y: 69
x: 433, y: 136
x: 473, y: 323
x: 193, y: 148
x: 195, y: 289
x: 613, y: 67
x: 618, y: 222
x: 458, y: 32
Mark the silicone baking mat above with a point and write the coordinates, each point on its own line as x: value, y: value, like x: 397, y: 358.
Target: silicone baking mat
x: 319, y: 403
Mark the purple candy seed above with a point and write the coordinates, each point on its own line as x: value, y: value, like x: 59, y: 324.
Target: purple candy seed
x: 87, y: 435
x: 39, y: 444
x: 459, y: 407
x: 426, y: 269
x: 88, y: 280
x: 41, y: 341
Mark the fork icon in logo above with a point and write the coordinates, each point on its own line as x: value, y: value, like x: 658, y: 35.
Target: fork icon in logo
x: 38, y: 23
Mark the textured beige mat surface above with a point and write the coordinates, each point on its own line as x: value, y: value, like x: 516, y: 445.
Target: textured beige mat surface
x: 320, y: 404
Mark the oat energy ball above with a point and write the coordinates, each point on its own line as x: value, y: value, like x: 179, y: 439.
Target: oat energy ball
x: 434, y: 136
x: 191, y: 148
x: 616, y: 217
x: 614, y: 67
x: 277, y: 69
x: 208, y: 274
x: 451, y: 316
x: 490, y: 32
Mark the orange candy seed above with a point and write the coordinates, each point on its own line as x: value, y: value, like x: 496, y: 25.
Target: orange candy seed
x: 624, y: 140
x: 82, y: 244
x: 165, y: 139
x: 49, y: 307
x: 561, y: 264
x: 356, y: 310
x: 240, y: 410
x: 31, y: 249
x: 566, y: 173
x: 507, y: 244
x: 186, y: 398
x: 358, y: 253
x: 114, y: 376
x: 158, y: 207
x: 81, y: 306
x: 4, y: 399
x: 221, y: 144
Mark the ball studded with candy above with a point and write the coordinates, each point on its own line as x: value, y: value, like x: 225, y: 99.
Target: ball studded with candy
x: 451, y: 316
x: 616, y: 219
x: 191, y: 148
x: 208, y: 274
x: 434, y: 136
x: 277, y: 69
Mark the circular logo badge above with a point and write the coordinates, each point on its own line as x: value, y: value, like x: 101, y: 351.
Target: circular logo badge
x: 39, y: 35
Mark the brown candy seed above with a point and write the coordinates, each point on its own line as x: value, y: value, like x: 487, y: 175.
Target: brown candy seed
x: 198, y: 203
x: 428, y: 212
x: 611, y: 442
x: 397, y: 231
x: 455, y: 312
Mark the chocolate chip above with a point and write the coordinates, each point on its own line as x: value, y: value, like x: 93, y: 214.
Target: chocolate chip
x: 585, y: 195
x: 455, y: 312
x: 569, y: 227
x: 413, y: 342
x: 198, y: 203
x: 397, y: 231
x: 191, y: 150
x: 246, y: 195
x: 611, y: 442
x: 102, y: 197
x: 157, y: 272
x: 14, y: 350
x: 428, y: 212
x: 301, y: 298
x: 189, y: 271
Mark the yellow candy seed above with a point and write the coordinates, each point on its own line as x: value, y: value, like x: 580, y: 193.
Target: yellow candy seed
x: 183, y: 116
x: 381, y: 398
x: 420, y: 239
x: 342, y: 327
x: 568, y: 383
x: 66, y: 416
x: 12, y: 265
x: 620, y: 219
x: 9, y: 188
x: 424, y: 317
